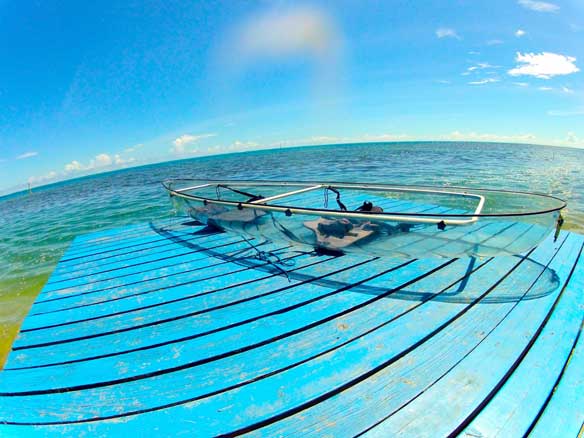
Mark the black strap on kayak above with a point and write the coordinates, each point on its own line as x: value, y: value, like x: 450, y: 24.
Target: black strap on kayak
x: 270, y: 258
x: 251, y: 196
x: 332, y: 189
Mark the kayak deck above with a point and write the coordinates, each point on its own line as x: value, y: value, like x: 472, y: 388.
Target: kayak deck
x: 173, y: 328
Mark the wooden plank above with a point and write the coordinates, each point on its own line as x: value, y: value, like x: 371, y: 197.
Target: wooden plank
x: 168, y: 298
x: 59, y: 396
x: 405, y: 366
x: 152, y: 266
x: 456, y: 391
x: 310, y: 344
x: 564, y: 412
x: 197, y: 267
x: 517, y: 404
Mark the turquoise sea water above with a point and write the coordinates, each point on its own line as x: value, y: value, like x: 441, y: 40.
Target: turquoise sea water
x: 36, y: 229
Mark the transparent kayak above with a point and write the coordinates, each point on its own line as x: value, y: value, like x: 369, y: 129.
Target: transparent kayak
x: 374, y: 219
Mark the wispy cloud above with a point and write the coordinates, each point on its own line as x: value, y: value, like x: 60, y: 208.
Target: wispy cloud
x: 521, y: 84
x: 180, y: 144
x: 520, y: 138
x: 563, y: 89
x: 447, y: 32
x: 539, y: 6
x: 27, y: 155
x: 328, y: 139
x: 243, y: 145
x: 484, y: 81
x: 567, y: 113
x: 519, y: 33
x: 543, y: 65
x: 133, y: 148
x: 480, y: 66
x: 494, y: 42
x: 572, y: 138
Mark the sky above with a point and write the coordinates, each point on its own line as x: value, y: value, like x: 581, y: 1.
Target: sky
x: 88, y: 87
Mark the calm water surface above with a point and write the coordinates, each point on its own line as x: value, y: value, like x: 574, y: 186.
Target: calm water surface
x: 36, y: 229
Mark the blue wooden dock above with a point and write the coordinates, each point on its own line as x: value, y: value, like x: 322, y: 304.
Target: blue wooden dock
x: 166, y: 329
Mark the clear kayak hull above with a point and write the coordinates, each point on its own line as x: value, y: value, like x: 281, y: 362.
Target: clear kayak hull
x: 374, y: 219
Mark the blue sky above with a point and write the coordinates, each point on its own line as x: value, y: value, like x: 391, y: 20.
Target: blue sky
x: 93, y: 86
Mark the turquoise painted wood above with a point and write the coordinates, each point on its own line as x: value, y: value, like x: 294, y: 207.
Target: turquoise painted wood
x: 163, y: 329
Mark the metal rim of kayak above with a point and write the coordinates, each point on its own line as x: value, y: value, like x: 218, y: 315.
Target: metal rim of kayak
x: 384, y: 216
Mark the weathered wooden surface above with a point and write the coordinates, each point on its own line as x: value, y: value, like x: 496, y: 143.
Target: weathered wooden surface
x: 161, y: 329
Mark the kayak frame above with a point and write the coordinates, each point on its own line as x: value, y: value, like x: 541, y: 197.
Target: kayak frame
x: 306, y: 186
x: 261, y: 204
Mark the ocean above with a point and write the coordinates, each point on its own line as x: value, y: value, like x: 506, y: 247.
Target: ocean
x: 36, y: 228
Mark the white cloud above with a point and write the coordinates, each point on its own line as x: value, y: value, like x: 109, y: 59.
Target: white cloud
x: 184, y: 140
x: 567, y: 113
x: 327, y: 139
x: 543, y: 65
x: 134, y: 148
x: 539, y: 6
x: 51, y: 176
x: 484, y: 81
x: 381, y: 137
x: 98, y: 162
x: 494, y: 42
x: 572, y: 138
x: 473, y: 136
x: 562, y: 89
x: 446, y: 32
x: 119, y: 161
x: 521, y: 84
x: 479, y: 66
x: 27, y: 155
x: 101, y: 160
x: 239, y: 145
x: 73, y: 166
x: 519, y: 33
x: 180, y: 143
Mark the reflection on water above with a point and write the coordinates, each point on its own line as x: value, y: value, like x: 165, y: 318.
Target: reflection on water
x: 36, y: 229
